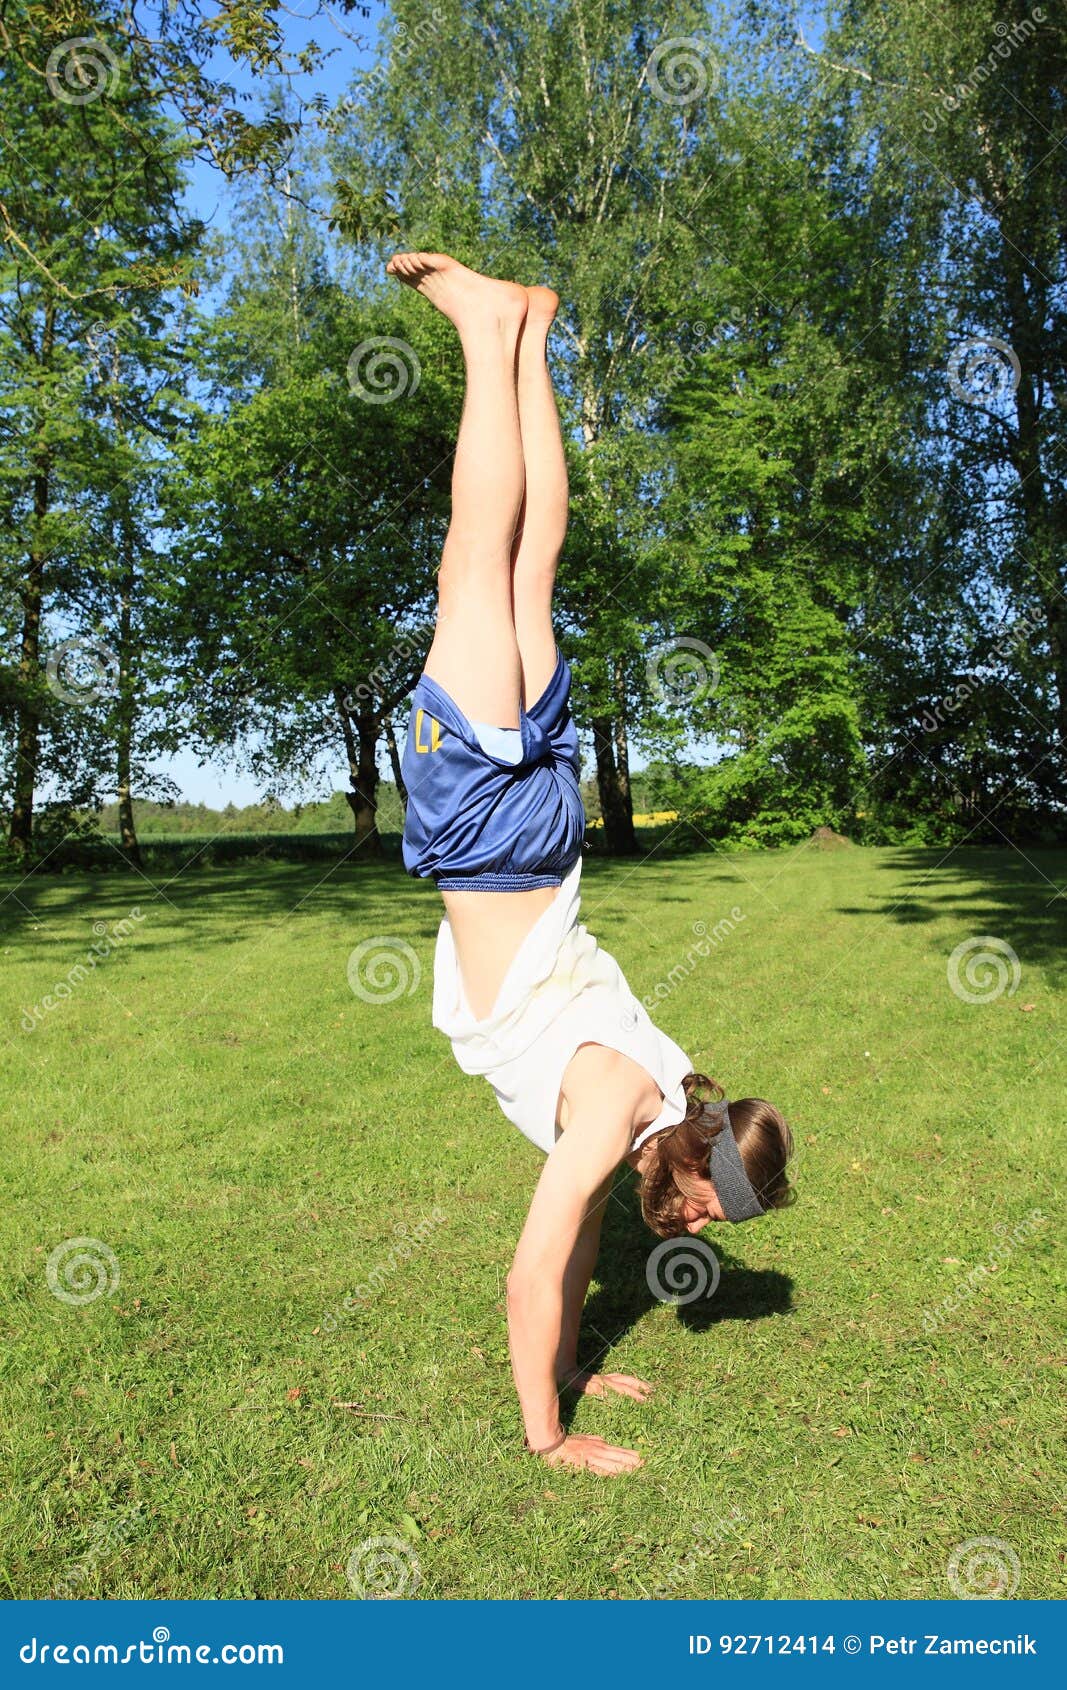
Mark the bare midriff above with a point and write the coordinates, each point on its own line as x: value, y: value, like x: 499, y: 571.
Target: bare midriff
x: 487, y: 930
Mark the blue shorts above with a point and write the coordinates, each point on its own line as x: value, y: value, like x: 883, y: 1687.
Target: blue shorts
x: 477, y: 823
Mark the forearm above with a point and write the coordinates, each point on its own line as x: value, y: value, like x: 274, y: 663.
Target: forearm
x: 576, y: 1280
x: 535, y: 1318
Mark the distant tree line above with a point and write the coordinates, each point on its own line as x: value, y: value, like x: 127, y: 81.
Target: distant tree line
x: 812, y: 362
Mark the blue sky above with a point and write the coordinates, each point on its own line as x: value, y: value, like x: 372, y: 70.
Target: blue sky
x: 215, y: 783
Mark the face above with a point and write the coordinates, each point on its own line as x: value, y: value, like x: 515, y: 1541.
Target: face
x: 701, y: 1206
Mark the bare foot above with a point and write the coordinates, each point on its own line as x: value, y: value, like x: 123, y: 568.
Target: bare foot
x: 471, y: 301
x: 543, y: 305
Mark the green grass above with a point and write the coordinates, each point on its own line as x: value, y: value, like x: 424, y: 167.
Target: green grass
x: 215, y: 1105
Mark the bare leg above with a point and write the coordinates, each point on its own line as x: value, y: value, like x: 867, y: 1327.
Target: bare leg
x: 475, y: 655
x: 543, y: 523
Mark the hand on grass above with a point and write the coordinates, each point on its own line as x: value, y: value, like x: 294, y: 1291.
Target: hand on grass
x: 589, y: 1384
x: 594, y: 1455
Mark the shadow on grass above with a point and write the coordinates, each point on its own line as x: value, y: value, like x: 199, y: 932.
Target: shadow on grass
x: 1018, y: 897
x: 224, y: 899
x: 624, y: 1295
x: 223, y: 904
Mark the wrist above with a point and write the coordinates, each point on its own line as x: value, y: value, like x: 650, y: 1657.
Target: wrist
x: 568, y: 1377
x: 547, y: 1448
x: 543, y: 1430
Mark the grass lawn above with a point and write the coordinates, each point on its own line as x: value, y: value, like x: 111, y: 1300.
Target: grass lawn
x: 878, y: 1379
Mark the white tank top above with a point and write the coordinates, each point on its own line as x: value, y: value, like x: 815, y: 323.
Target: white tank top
x: 560, y: 991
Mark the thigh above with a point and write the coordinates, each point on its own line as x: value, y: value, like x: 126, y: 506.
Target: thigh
x: 475, y: 654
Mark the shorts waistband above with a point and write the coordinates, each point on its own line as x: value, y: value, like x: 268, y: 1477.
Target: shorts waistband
x: 495, y: 882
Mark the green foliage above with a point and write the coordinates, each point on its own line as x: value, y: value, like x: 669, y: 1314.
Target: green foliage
x: 331, y: 816
x: 799, y: 774
x: 762, y: 286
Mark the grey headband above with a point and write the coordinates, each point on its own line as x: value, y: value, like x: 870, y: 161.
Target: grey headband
x: 727, y: 1171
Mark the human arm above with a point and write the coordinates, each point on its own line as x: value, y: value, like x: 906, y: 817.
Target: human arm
x: 576, y: 1278
x: 598, y: 1136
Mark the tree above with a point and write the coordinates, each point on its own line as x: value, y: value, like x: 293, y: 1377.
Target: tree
x: 558, y: 142
x: 95, y: 241
x: 305, y: 558
x: 83, y: 49
x: 959, y: 112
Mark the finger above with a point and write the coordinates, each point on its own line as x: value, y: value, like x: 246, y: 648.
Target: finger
x: 624, y: 1386
x: 619, y: 1461
x: 633, y: 1388
x: 615, y: 1454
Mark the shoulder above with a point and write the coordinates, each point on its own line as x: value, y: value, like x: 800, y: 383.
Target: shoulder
x: 600, y: 1077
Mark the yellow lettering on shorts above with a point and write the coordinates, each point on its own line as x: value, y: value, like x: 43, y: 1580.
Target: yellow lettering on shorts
x: 435, y: 732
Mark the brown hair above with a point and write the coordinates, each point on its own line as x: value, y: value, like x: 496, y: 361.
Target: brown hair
x: 679, y: 1155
